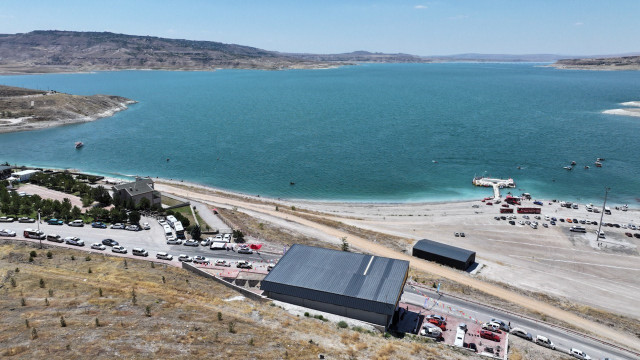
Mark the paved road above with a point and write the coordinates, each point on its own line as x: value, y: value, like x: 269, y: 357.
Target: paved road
x: 206, y: 214
x: 563, y: 340
x: 152, y: 240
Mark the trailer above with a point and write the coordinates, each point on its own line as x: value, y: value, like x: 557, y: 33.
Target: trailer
x: 528, y: 210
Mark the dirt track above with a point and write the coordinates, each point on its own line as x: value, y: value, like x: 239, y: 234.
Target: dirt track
x: 373, y: 248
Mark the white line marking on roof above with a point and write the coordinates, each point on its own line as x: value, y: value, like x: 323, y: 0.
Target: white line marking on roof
x: 367, y: 269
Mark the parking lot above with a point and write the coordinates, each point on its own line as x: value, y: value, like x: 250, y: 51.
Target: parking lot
x: 152, y: 240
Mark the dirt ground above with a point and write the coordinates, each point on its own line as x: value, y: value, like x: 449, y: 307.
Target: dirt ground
x: 439, y: 222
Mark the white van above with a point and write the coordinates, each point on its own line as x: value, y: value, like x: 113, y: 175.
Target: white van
x: 460, y: 337
x: 76, y: 223
x: 139, y: 252
x: 544, y: 341
x: 34, y: 234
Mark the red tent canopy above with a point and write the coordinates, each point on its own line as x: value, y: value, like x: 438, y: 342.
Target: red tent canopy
x: 255, y: 246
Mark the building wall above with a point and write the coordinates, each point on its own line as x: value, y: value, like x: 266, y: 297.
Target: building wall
x: 441, y: 259
x: 371, y: 317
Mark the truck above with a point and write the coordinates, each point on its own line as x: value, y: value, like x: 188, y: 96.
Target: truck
x: 217, y: 245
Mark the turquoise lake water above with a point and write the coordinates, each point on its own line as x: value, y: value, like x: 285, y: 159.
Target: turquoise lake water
x: 358, y: 133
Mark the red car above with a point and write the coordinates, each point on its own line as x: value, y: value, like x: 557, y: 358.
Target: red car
x: 489, y: 203
x: 441, y: 324
x: 505, y: 205
x: 489, y: 335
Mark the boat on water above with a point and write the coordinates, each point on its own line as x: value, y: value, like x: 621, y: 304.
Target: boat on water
x: 600, y: 159
x: 79, y: 144
x: 586, y: 166
x: 567, y: 168
x: 598, y: 164
x: 573, y: 163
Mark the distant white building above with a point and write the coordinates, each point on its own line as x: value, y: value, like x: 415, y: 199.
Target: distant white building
x: 25, y: 175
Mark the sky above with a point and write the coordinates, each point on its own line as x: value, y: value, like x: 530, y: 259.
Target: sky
x: 444, y: 27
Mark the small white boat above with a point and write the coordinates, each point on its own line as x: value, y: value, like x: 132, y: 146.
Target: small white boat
x: 598, y: 164
x: 567, y: 168
x: 79, y: 144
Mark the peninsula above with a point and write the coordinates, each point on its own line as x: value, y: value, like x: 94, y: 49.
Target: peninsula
x: 26, y: 109
x: 608, y: 63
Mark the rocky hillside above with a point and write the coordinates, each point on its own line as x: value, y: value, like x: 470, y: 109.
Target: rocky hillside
x: 26, y: 109
x: 55, y: 51
x: 363, y: 57
x: 611, y: 63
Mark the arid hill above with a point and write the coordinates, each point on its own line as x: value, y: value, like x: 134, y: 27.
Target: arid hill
x: 27, y: 109
x: 59, y: 51
x: 612, y: 63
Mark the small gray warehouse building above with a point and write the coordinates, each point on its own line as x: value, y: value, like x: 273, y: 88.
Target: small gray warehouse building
x: 358, y: 286
x: 444, y: 254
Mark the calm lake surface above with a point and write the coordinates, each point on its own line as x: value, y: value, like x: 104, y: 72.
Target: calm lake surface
x: 358, y: 133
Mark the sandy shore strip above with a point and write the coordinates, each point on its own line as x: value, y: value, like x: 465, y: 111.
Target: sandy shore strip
x: 623, y: 112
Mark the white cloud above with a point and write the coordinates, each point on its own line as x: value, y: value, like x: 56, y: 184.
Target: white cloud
x: 578, y: 24
x: 420, y: 7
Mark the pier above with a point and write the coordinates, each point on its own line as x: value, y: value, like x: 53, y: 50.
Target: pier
x: 496, y: 184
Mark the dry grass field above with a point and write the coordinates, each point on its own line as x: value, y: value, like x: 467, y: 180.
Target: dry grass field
x: 71, y: 306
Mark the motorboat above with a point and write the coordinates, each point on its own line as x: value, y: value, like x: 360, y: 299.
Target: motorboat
x: 586, y: 166
x: 573, y: 163
x: 567, y: 168
x: 598, y: 164
x: 79, y: 144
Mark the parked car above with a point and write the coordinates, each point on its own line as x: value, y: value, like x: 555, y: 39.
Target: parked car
x: 219, y: 238
x: 485, y: 334
x: 55, y: 238
x: 579, y: 354
x: 146, y: 226
x: 441, y: 324
x: 494, y: 327
x: 76, y: 223
x: 512, y: 222
x: 521, y: 333
x: 434, y: 316
x: 185, y: 258
x: 221, y: 262
x: 243, y: 264
x: 26, y: 220
x: 139, y: 252
x: 117, y: 226
x: 245, y: 250
x: 109, y: 242
x: 7, y: 232
x: 226, y: 237
x: 98, y: 246
x: 544, y: 341
x: 456, y: 234
x: 503, y: 325
x: 6, y: 219
x: 270, y: 267
x: 470, y: 346
x: 74, y: 240
x: 462, y: 234
x: 173, y: 241
x: 200, y: 260
x: 132, y: 228
x: 98, y: 225
x: 431, y: 331
x: 55, y: 222
x: 119, y: 249
x: 191, y: 242
x: 164, y: 256
x: 205, y: 242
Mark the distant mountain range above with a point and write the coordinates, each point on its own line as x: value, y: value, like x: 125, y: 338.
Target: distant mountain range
x: 64, y: 51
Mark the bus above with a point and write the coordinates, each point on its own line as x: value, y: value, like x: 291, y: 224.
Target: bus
x: 528, y: 210
x: 171, y: 220
x: 179, y: 230
x: 34, y: 234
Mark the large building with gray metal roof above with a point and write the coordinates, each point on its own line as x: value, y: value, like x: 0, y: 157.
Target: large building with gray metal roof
x: 358, y: 286
x: 444, y: 254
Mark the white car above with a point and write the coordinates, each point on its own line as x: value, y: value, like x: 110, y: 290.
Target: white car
x: 243, y: 264
x: 206, y: 242
x: 245, y: 250
x: 98, y: 246
x: 132, y: 228
x: 219, y: 238
x: 164, y: 256
x: 579, y: 354
x: 7, y: 232
x: 200, y: 260
x: 162, y: 222
x: 117, y: 226
x: 221, y: 262
x: 119, y: 249
x: 78, y: 223
x: 146, y: 226
x: 227, y: 237
x: 73, y: 240
x: 173, y: 241
x: 185, y: 258
x: 190, y: 242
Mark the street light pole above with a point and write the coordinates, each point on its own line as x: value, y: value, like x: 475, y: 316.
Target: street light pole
x: 606, y: 192
x: 39, y: 228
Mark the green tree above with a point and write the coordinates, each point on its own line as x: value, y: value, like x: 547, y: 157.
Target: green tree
x: 144, y: 204
x: 196, y: 233
x: 76, y: 212
x: 238, y: 235
x: 134, y: 217
x: 345, y: 244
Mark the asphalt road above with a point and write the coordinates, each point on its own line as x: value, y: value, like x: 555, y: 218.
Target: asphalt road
x: 152, y: 240
x: 564, y: 341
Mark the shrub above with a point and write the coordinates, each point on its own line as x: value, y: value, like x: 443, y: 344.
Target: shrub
x: 343, y: 325
x: 49, y: 254
x: 30, y: 259
x: 13, y: 282
x: 147, y: 311
x: 23, y: 302
x: 50, y: 292
x: 26, y: 323
x: 33, y: 253
x: 164, y: 281
x: 219, y: 316
x: 63, y: 323
x: 89, y: 271
x: 97, y: 322
x: 73, y: 257
x: 232, y: 327
x: 100, y: 292
x: 46, y: 302
x: 17, y: 270
x: 306, y: 314
x: 34, y: 334
x: 88, y: 258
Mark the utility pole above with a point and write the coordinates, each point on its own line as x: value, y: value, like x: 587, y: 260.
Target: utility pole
x: 606, y: 192
x: 39, y: 228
